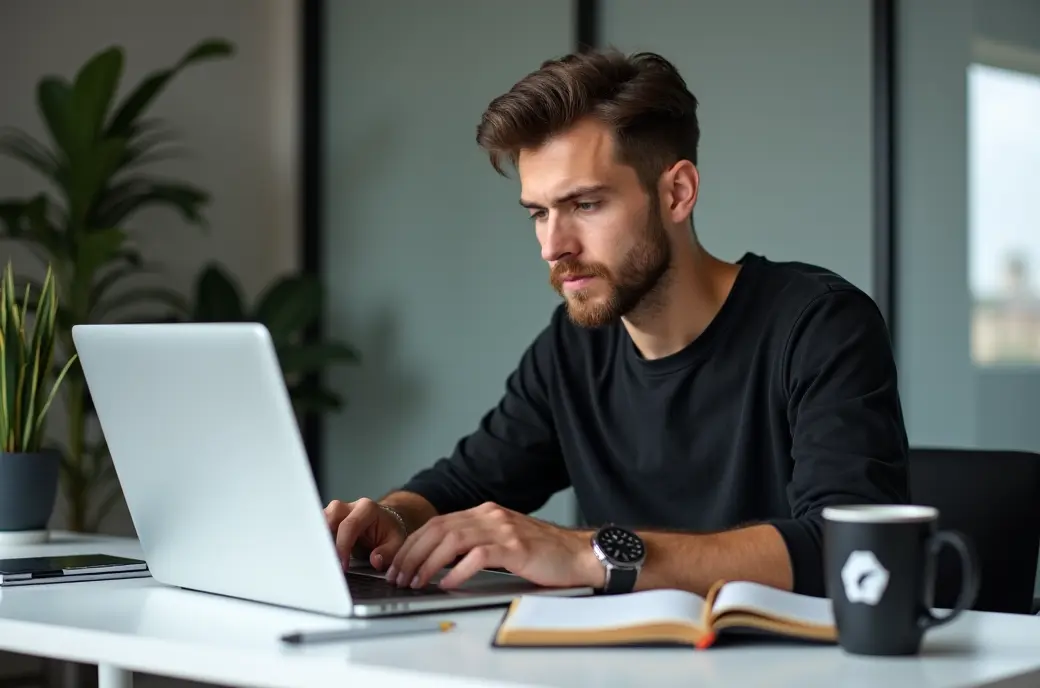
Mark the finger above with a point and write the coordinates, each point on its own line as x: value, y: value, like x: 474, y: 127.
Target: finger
x: 393, y: 572
x: 438, y: 525
x: 456, y: 542
x: 480, y: 557
x: 421, y: 544
x: 383, y: 554
x: 335, y: 512
x: 362, y: 515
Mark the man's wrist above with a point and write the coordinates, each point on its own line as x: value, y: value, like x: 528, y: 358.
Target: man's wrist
x: 397, y: 516
x: 591, y: 571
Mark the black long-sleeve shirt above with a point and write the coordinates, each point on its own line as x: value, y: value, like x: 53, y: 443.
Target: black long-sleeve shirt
x: 785, y: 404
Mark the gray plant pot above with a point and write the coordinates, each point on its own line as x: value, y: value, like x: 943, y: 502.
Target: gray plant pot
x: 28, y: 490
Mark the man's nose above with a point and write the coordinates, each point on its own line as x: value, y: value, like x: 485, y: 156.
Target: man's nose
x: 557, y: 241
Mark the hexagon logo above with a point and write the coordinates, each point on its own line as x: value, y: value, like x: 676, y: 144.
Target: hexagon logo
x: 864, y: 578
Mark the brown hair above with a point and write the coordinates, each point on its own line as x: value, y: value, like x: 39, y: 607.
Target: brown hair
x: 642, y: 97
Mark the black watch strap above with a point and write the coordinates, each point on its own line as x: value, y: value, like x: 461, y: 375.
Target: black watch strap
x: 621, y: 581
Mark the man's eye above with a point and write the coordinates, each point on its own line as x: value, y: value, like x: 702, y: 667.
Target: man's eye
x: 587, y: 205
x: 538, y: 215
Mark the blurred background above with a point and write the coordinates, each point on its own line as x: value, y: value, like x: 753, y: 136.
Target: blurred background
x: 323, y: 159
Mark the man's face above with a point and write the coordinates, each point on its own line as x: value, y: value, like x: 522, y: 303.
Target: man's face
x: 603, y: 238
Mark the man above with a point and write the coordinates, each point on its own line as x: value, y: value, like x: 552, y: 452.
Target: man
x: 708, y: 409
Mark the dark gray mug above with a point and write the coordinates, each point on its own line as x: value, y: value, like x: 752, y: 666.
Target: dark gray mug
x: 880, y: 563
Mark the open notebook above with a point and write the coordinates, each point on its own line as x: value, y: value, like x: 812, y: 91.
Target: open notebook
x: 653, y: 617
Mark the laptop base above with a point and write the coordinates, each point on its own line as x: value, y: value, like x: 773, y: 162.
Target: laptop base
x: 373, y: 595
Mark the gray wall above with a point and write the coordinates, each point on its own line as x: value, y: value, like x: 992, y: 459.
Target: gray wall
x: 938, y: 384
x: 785, y: 108
x: 433, y: 268
x: 434, y: 271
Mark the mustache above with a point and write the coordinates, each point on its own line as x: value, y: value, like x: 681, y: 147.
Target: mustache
x: 573, y: 269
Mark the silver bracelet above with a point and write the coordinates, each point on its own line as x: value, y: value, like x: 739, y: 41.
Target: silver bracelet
x: 397, y: 517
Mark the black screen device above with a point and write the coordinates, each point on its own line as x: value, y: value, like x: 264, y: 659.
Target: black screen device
x: 73, y: 567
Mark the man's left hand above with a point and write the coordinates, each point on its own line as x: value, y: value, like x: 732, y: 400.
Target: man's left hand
x: 490, y: 536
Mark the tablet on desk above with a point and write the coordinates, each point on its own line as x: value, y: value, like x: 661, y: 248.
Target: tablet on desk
x: 69, y: 568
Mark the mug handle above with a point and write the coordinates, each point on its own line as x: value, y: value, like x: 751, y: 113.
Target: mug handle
x: 969, y: 576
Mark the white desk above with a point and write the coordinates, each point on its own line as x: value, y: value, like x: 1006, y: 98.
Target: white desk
x: 139, y: 625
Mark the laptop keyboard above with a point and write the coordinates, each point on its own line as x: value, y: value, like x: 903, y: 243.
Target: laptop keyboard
x: 376, y: 588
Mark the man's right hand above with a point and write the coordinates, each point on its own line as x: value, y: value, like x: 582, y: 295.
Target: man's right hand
x: 364, y: 528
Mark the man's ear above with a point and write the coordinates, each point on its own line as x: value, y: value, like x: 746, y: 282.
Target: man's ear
x: 680, y: 184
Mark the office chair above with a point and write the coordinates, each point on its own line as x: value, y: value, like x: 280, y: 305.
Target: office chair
x: 993, y: 497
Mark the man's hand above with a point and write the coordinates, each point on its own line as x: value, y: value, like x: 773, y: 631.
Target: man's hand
x: 490, y: 536
x: 364, y: 528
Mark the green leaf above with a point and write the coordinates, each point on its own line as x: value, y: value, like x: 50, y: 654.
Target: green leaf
x: 132, y: 195
x: 93, y: 91
x: 27, y: 348
x: 207, y: 50
x: 96, y: 249
x: 312, y: 358
x: 142, y: 96
x: 308, y: 398
x: 92, y: 175
x: 54, y: 99
x: 11, y: 215
x: 21, y: 146
x: 148, y: 143
x: 116, y: 275
x: 217, y: 298
x: 38, y: 228
x: 159, y: 295
x: 289, y: 305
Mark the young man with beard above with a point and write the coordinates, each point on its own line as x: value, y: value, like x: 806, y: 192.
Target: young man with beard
x: 705, y: 412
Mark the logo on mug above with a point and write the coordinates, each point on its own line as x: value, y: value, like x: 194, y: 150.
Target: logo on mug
x: 864, y: 578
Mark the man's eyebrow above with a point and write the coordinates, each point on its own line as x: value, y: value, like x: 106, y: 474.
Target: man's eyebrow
x: 569, y: 196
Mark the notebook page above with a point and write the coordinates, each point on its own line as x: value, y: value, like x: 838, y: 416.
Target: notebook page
x: 544, y: 612
x: 813, y: 610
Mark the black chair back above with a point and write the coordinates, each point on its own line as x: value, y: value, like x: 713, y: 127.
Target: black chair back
x: 993, y: 497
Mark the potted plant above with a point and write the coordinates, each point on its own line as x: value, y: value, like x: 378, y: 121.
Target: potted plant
x: 288, y: 306
x: 96, y: 161
x: 29, y: 469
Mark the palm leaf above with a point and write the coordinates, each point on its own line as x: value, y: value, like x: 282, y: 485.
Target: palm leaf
x: 93, y: 92
x: 131, y: 195
x: 289, y: 305
x: 309, y: 398
x: 12, y: 216
x: 114, y: 276
x: 96, y: 249
x: 19, y: 145
x: 217, y: 298
x: 159, y: 295
x: 311, y: 358
x: 142, y: 96
x: 54, y: 99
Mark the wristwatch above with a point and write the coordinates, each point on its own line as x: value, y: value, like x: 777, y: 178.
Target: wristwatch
x: 622, y: 554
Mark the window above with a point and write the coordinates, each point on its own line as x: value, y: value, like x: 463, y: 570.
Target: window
x: 1004, y: 214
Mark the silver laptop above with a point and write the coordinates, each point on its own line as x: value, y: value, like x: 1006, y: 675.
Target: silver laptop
x: 210, y: 459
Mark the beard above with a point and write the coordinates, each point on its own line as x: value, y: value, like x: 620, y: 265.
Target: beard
x: 632, y: 288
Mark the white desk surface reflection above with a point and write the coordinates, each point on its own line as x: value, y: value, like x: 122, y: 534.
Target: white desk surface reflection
x: 140, y: 625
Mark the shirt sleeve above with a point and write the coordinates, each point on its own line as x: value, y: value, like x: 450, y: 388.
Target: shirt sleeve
x: 849, y: 442
x: 513, y: 457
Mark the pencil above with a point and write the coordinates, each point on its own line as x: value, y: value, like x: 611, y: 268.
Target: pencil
x: 374, y: 631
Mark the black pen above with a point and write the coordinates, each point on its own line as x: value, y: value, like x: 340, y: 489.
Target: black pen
x: 374, y: 631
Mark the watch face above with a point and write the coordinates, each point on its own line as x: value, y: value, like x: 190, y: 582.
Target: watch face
x: 620, y: 545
